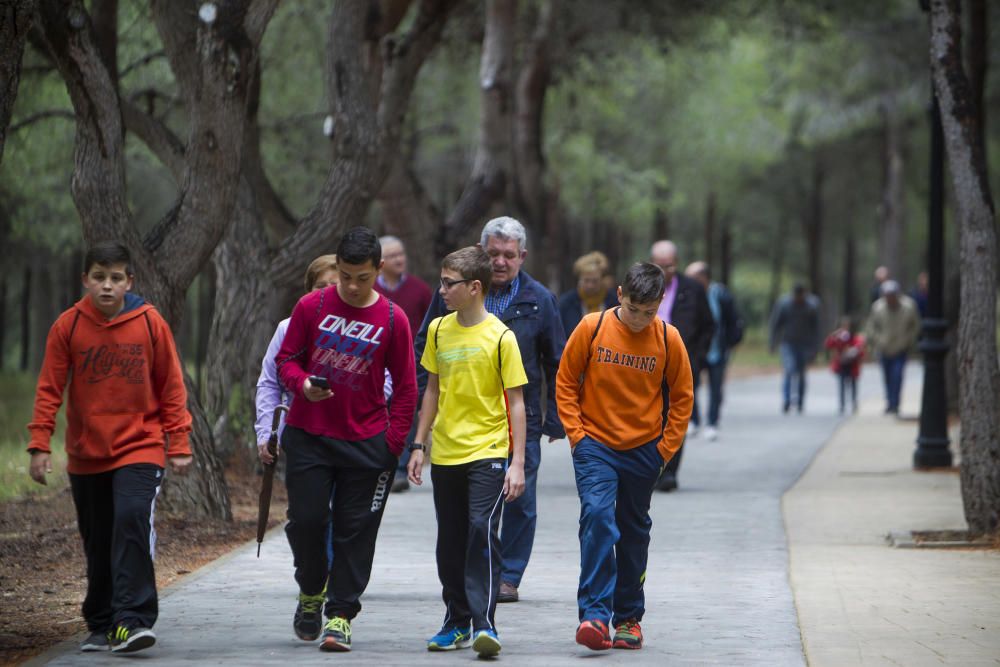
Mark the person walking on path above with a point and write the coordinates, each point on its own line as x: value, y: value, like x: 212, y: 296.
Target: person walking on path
x: 728, y: 334
x: 529, y: 310
x: 339, y: 343
x: 591, y: 294
x: 629, y: 360
x: 320, y: 273
x: 893, y: 326
x: 848, y: 350
x: 126, y: 417
x: 411, y: 294
x: 685, y: 306
x: 474, y: 372
x: 794, y: 327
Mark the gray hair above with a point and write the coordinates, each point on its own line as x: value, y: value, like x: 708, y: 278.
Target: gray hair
x: 389, y: 240
x: 505, y: 227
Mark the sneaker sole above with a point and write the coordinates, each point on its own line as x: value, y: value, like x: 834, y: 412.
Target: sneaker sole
x: 465, y: 643
x: 592, y: 638
x: 331, y: 645
x: 136, y: 643
x: 94, y: 648
x: 486, y: 646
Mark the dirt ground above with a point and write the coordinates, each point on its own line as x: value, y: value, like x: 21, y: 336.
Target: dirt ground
x: 43, y: 572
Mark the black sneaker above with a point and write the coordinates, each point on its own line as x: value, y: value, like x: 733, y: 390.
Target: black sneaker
x: 124, y: 639
x: 97, y: 641
x: 336, y: 635
x: 309, y: 616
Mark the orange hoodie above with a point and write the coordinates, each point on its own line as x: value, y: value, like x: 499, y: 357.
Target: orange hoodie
x: 126, y: 389
x: 620, y: 401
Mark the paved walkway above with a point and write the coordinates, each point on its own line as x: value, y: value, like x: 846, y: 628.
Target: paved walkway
x: 719, y: 590
x: 861, y: 602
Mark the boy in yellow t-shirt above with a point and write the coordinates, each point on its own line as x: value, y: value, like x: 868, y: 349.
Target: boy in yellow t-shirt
x: 616, y: 371
x: 475, y: 377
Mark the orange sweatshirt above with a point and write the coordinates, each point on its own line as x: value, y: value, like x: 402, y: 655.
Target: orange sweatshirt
x: 126, y: 390
x: 620, y: 401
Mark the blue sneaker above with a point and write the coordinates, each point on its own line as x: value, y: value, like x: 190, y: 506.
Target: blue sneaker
x: 486, y: 644
x: 449, y: 639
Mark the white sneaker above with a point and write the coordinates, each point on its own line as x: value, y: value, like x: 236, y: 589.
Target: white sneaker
x: 711, y: 432
x: 692, y: 431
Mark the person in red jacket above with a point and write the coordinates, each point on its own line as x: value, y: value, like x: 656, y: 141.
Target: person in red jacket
x: 126, y: 416
x: 340, y: 437
x: 848, y: 348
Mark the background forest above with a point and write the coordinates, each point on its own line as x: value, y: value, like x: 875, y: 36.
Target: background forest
x: 779, y: 140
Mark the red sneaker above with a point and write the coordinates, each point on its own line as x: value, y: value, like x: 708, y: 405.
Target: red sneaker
x: 594, y: 635
x: 628, y: 634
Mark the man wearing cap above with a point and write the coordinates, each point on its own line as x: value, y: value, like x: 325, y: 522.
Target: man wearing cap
x: 893, y: 326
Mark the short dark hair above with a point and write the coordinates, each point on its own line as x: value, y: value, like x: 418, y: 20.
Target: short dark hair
x: 472, y: 263
x: 644, y: 283
x: 358, y: 246
x: 107, y: 253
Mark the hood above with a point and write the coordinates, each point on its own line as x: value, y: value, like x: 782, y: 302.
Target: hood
x: 135, y: 305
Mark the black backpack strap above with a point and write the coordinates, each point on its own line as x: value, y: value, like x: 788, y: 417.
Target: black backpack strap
x: 72, y: 328
x: 436, y: 329
x: 149, y: 327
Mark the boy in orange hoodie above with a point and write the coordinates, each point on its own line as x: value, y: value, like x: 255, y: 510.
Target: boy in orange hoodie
x: 612, y: 387
x: 126, y: 416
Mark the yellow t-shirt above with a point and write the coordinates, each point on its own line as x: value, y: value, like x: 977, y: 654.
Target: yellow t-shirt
x: 471, y: 421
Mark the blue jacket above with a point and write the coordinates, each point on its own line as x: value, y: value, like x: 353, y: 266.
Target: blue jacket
x: 534, y: 319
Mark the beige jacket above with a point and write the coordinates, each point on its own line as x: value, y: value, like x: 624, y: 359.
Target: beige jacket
x: 891, y: 331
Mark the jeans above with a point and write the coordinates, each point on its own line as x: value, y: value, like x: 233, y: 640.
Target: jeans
x: 794, y: 360
x: 615, y: 489
x: 716, y: 376
x: 848, y: 385
x: 517, y: 530
x: 892, y: 373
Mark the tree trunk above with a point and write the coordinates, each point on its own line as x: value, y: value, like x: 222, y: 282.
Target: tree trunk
x: 978, y: 58
x: 491, y: 168
x: 979, y: 375
x: 661, y: 226
x: 15, y: 20
x: 725, y: 271
x: 850, y: 298
x: 408, y: 213
x: 26, y: 318
x: 778, y: 259
x: 252, y: 280
x: 891, y: 236
x: 709, y: 229
x: 813, y: 227
x: 213, y: 61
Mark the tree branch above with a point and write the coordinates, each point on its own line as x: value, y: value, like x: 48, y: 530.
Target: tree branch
x: 166, y: 145
x: 40, y: 116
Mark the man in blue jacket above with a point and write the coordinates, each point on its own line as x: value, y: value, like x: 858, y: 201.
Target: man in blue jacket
x: 529, y: 310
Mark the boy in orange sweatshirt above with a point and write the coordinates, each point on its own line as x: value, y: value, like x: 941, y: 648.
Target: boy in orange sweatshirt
x: 612, y: 389
x: 126, y: 416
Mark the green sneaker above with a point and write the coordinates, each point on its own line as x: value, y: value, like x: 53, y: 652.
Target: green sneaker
x: 628, y: 635
x: 309, y: 616
x: 336, y: 635
x: 124, y: 639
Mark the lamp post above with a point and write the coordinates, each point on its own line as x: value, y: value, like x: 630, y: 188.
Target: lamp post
x: 932, y: 440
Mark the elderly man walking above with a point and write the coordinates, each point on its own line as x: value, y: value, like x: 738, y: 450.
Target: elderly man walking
x: 530, y: 311
x: 893, y: 326
x: 684, y: 305
x: 411, y: 294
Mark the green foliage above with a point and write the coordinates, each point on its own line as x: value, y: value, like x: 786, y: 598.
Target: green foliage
x: 17, y: 396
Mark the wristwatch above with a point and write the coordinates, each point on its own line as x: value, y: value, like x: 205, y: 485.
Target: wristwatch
x: 414, y: 446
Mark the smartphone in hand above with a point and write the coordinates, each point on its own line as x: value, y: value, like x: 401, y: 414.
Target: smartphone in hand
x: 318, y: 381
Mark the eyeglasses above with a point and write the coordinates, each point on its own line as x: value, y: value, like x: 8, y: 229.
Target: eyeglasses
x: 447, y: 284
